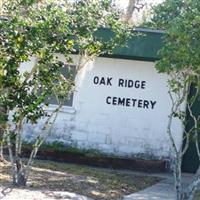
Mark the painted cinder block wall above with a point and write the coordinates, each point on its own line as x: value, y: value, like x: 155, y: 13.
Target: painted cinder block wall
x: 120, y: 105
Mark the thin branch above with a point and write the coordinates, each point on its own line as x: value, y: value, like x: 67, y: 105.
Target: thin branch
x: 10, y: 153
x: 40, y: 139
x: 195, y: 129
x: 187, y: 137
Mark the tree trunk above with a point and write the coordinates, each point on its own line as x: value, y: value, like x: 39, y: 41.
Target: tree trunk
x: 2, y: 159
x: 2, y: 135
x: 192, y: 188
x: 129, y: 10
x: 20, y: 175
x: 177, y: 177
x: 21, y: 179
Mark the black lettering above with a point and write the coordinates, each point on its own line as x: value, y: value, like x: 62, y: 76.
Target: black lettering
x: 125, y: 85
x: 137, y: 84
x: 140, y: 103
x: 107, y: 100
x: 153, y: 103
x: 134, y: 100
x: 128, y: 102
x: 130, y: 83
x: 143, y: 85
x: 121, y: 82
x: 121, y: 101
x: 114, y: 101
x: 146, y: 104
x: 103, y: 82
x: 109, y: 81
x: 96, y: 80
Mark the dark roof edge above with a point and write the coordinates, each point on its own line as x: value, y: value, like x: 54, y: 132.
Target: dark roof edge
x: 148, y: 30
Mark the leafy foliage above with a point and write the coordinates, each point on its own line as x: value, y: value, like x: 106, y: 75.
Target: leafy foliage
x: 181, y: 61
x: 181, y: 21
x: 22, y: 38
x: 44, y: 29
x: 38, y: 30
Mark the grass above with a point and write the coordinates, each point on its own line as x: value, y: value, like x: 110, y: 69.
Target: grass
x: 197, y: 196
x: 60, y: 146
x: 99, y: 184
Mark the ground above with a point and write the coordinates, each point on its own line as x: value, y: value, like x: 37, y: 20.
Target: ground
x: 197, y: 197
x: 99, y: 184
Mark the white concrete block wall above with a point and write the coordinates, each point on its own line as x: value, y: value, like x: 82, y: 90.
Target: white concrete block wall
x: 116, y: 129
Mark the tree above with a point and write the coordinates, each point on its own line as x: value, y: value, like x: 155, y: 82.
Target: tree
x: 180, y: 59
x: 129, y: 11
x: 2, y: 135
x: 42, y: 29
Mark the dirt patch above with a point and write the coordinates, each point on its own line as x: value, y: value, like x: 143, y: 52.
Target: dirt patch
x: 99, y: 184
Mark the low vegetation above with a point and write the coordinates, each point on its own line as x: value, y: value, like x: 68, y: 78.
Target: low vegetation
x: 99, y: 184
